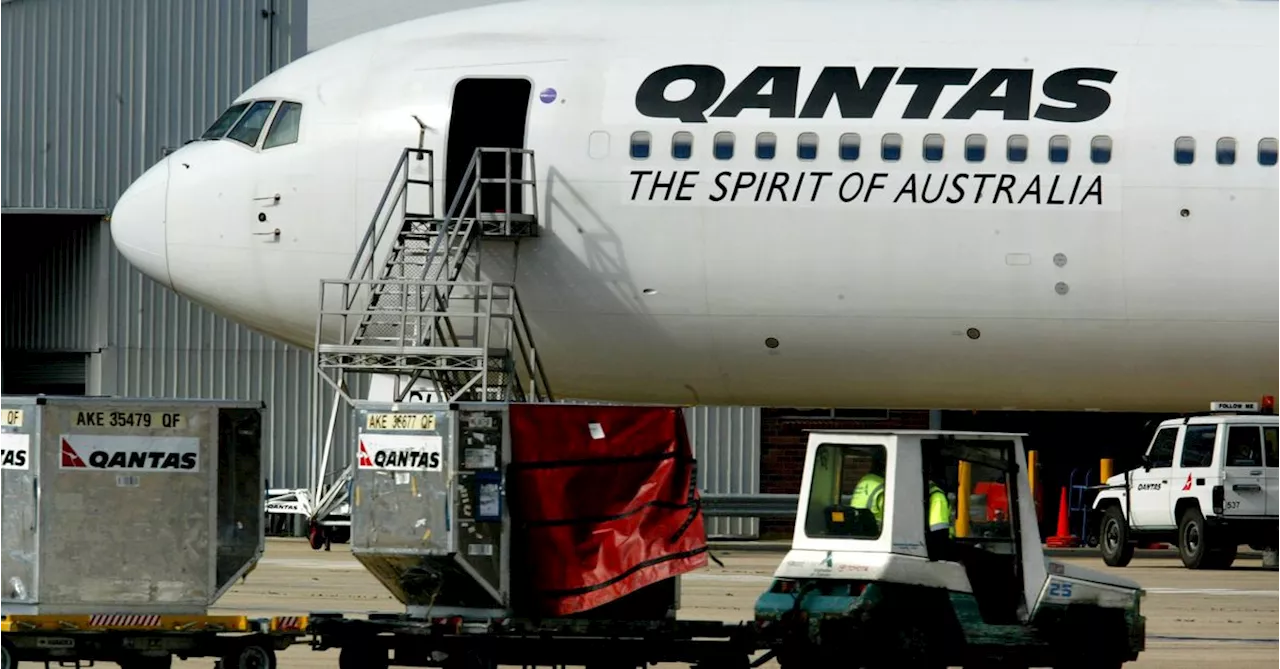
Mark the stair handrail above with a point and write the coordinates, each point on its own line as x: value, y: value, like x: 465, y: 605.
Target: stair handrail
x: 362, y: 263
x: 443, y: 244
x: 527, y: 351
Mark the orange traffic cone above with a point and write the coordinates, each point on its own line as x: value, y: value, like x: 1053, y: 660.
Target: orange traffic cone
x: 1064, y: 538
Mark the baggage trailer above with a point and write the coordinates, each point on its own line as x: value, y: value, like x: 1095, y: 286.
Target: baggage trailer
x: 388, y: 640
x: 146, y: 641
x: 503, y: 531
x: 124, y: 521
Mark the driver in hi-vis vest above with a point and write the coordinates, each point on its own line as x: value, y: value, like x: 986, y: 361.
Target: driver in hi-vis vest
x: 869, y: 493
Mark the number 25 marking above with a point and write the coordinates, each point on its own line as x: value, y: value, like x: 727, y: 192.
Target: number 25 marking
x: 1060, y: 589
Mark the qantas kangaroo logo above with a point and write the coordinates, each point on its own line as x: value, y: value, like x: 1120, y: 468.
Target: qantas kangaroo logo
x: 130, y: 454
x: 400, y: 453
x: 1187, y: 485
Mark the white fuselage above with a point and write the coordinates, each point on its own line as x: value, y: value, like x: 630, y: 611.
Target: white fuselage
x: 1133, y: 284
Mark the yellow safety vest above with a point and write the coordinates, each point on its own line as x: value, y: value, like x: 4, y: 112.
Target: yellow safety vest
x: 869, y: 494
x: 939, y: 511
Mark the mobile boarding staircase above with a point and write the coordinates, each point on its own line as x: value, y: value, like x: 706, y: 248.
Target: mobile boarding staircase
x: 414, y: 316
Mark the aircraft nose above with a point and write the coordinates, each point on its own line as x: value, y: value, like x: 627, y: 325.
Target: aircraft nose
x: 138, y: 223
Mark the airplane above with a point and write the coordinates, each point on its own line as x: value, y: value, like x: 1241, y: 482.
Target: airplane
x: 988, y: 204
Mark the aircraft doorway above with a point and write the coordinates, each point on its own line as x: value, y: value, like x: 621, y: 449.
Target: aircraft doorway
x: 490, y: 113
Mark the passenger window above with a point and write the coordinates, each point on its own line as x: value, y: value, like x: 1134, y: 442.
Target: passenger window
x: 1059, y: 146
x: 850, y: 146
x: 837, y: 471
x: 682, y: 145
x: 1161, y: 453
x: 1100, y: 150
x: 766, y: 145
x: 975, y: 148
x: 1184, y: 150
x: 891, y: 147
x: 1267, y: 150
x: 1197, y: 445
x: 250, y: 125
x: 1269, y: 446
x: 284, y: 127
x: 807, y: 146
x: 1244, y: 446
x: 220, y: 126
x: 1226, y: 151
x: 933, y: 147
x: 1017, y: 148
x: 722, y: 145
x: 640, y: 141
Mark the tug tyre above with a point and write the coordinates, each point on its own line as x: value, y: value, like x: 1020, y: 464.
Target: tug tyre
x: 8, y: 662
x: 1113, y: 538
x: 250, y: 656
x: 1193, y: 540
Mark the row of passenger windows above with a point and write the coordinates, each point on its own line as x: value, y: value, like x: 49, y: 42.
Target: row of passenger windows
x: 244, y: 122
x: 1017, y: 147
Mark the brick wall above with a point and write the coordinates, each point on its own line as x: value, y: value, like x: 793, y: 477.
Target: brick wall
x: 782, y: 442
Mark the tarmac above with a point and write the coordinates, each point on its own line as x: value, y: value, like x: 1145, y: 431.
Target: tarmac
x: 1194, y: 619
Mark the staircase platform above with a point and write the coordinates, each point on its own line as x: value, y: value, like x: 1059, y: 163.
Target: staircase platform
x: 491, y: 225
x: 407, y: 358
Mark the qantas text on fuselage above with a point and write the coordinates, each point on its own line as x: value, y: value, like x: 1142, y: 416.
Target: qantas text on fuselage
x: 858, y: 92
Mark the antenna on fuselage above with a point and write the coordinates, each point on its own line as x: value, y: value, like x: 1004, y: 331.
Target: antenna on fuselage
x: 422, y: 133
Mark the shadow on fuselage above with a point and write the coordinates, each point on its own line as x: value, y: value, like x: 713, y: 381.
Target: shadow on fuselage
x: 577, y: 298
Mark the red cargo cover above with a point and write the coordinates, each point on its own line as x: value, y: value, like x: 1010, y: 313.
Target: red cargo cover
x: 607, y: 499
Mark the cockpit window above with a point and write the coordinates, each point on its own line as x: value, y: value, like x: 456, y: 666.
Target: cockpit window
x: 250, y: 125
x: 284, y: 129
x: 220, y: 126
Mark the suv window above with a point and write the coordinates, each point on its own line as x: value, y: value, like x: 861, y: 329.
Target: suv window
x: 1197, y: 445
x: 1161, y: 453
x: 1244, y: 446
x: 1269, y: 441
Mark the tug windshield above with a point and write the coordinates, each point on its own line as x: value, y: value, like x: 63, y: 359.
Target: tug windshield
x: 848, y: 492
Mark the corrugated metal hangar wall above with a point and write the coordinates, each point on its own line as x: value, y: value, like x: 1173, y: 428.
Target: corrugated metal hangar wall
x: 93, y: 92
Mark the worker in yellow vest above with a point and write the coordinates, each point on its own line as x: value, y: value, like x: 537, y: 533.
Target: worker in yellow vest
x: 940, y: 511
x: 869, y: 493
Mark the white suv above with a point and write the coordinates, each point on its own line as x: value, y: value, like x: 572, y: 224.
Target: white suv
x: 1208, y: 483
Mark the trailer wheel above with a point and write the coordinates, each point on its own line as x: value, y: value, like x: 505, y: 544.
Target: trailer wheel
x: 250, y: 656
x: 1113, y: 538
x: 315, y: 536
